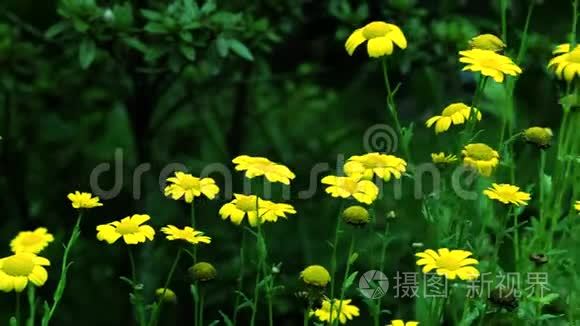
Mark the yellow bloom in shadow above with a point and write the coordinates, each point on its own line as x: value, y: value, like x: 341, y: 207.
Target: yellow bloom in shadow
x: 566, y: 66
x: 453, y: 114
x: 507, y: 194
x: 382, y: 165
x: 129, y: 228
x: 400, y: 322
x: 31, y: 241
x: 19, y: 269
x: 188, y: 187
x: 260, y: 166
x: 245, y: 206
x: 83, y: 200
x: 489, y: 63
x: 451, y: 264
x: 364, y: 191
x: 577, y: 206
x: 347, y: 311
x: 380, y: 36
x: 481, y: 158
x: 187, y: 234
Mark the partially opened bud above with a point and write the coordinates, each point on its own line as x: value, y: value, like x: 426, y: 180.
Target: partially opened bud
x: 315, y: 275
x: 166, y: 295
x: 541, y: 137
x: 202, y: 272
x: 356, y: 215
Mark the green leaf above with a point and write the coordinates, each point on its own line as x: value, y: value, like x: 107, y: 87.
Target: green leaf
x: 188, y: 51
x: 156, y: 28
x: 223, y: 46
x: 151, y: 14
x: 87, y: 52
x: 194, y: 293
x: 348, y: 282
x: 215, y: 322
x: 13, y: 321
x: 208, y: 7
x: 226, y: 319
x: 353, y: 258
x: 241, y: 49
x: 56, y: 29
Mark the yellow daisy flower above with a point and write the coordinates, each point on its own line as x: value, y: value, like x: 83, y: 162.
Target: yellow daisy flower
x: 441, y: 158
x: 271, y: 211
x: 242, y: 206
x: 364, y: 191
x: 187, y: 186
x: 487, y: 42
x: 17, y: 270
x: 346, y: 312
x: 566, y: 66
x: 507, y: 194
x: 400, y: 322
x: 380, y: 37
x: 481, y: 158
x: 83, y: 200
x: 456, y: 114
x: 258, y: 166
x: 563, y: 48
x: 449, y: 263
x: 382, y: 165
x: 489, y: 63
x: 577, y: 206
x: 129, y: 228
x: 31, y: 241
x: 188, y: 234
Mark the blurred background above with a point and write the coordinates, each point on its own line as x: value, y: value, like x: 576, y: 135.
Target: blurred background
x: 177, y: 82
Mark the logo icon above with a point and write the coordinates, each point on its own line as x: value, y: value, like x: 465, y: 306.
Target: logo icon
x: 373, y: 284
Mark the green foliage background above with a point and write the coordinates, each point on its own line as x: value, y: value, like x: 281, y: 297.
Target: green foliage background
x: 175, y: 81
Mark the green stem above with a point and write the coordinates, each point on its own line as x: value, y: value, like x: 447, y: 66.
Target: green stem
x: 201, y: 305
x: 262, y: 253
x: 333, y: 257
x: 31, y: 305
x: 343, y: 287
x: 63, y: 272
x: 504, y: 5
x: 17, y: 312
x: 193, y: 226
x: 157, y: 309
x: 241, y: 277
x: 472, y: 120
x: 381, y: 266
x: 138, y: 304
x: 516, y: 241
x: 393, y: 108
x: 306, y: 313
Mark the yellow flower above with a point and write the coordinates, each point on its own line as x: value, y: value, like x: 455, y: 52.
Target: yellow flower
x: 31, y: 241
x: 507, y: 194
x: 364, y: 191
x: 242, y: 206
x: 83, y: 200
x: 566, y: 66
x: 258, y: 166
x: 380, y: 37
x: 487, y: 42
x: 315, y: 275
x: 129, y: 228
x: 481, y: 158
x: 187, y: 186
x: 166, y: 295
x: 577, y: 206
x: 489, y: 64
x: 18, y: 269
x: 441, y: 158
x: 399, y: 322
x: 382, y: 165
x: 564, y: 48
x: 186, y: 234
x: 271, y: 211
x: 449, y: 263
x: 456, y: 113
x: 346, y: 312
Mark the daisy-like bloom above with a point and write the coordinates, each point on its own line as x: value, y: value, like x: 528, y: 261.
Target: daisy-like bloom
x: 449, y: 263
x: 31, y: 241
x: 188, y: 234
x: 487, y: 42
x: 481, y: 158
x: 400, y: 322
x: 380, y: 37
x: 242, y: 206
x: 507, y: 194
x: 489, y: 63
x: 17, y: 270
x: 382, y: 165
x: 566, y: 66
x: 129, y: 228
x: 83, y: 200
x: 577, y: 206
x: 271, y: 211
x: 456, y: 114
x: 258, y: 166
x: 315, y: 275
x: 563, y: 48
x: 441, y: 158
x: 346, y: 312
x: 364, y: 191
x: 187, y: 186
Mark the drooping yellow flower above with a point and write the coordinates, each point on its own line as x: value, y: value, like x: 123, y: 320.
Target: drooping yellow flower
x: 129, y: 228
x: 400, y: 322
x: 364, y: 191
x: 456, y: 114
x: 441, y: 158
x: 83, y: 200
x: 187, y: 186
x: 449, y: 263
x: 481, y: 158
x: 31, y: 241
x: 382, y: 165
x: 17, y: 270
x: 346, y: 312
x: 487, y: 42
x: 187, y: 234
x: 315, y: 275
x: 489, y: 63
x: 563, y: 48
x: 380, y: 37
x: 258, y: 166
x: 507, y: 194
x: 271, y: 211
x: 242, y: 206
x: 566, y: 66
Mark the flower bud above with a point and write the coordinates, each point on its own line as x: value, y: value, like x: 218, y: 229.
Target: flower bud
x: 202, y: 272
x: 541, y: 137
x: 356, y: 215
x: 166, y: 295
x: 315, y: 275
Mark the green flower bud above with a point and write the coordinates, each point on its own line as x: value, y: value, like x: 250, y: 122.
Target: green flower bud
x: 315, y: 275
x: 356, y: 215
x: 541, y: 137
x: 166, y: 295
x: 202, y: 271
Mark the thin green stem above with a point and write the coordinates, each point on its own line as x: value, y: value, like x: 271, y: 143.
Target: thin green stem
x: 241, y: 277
x: 346, y: 274
x: 504, y: 6
x: 140, y: 312
x: 193, y: 226
x: 381, y: 266
x: 31, y: 305
x: 393, y: 108
x: 516, y: 241
x: 306, y: 313
x: 201, y: 305
x: 17, y: 312
x: 333, y: 257
x: 262, y: 255
x: 157, y: 309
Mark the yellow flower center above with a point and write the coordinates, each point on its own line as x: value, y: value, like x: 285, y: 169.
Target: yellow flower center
x: 31, y: 239
x: 449, y: 262
x: 574, y: 56
x: 127, y: 227
x: 375, y: 29
x: 480, y: 152
x: 246, y: 204
x: 454, y: 108
x: 349, y: 185
x: 18, y: 265
x: 190, y: 182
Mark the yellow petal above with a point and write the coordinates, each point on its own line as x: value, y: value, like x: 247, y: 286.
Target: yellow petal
x: 379, y: 46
